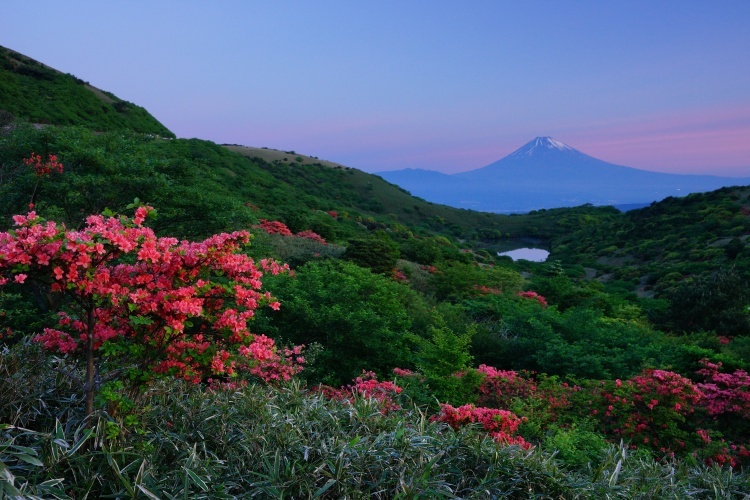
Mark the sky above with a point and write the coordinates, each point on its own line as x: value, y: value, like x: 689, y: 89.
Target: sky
x: 440, y: 85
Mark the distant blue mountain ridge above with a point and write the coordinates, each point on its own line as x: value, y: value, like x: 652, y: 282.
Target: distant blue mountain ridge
x: 546, y: 173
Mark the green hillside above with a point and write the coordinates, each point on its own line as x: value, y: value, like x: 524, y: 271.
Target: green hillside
x: 36, y: 93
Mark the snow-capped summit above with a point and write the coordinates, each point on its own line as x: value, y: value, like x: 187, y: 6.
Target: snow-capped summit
x: 540, y: 144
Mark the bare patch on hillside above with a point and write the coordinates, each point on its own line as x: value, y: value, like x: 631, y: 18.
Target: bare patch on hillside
x: 272, y: 155
x: 100, y: 94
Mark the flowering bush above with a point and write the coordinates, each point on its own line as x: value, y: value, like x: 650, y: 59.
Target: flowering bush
x: 42, y: 168
x: 274, y: 227
x: 719, y: 452
x: 367, y: 386
x: 651, y: 409
x: 499, y: 388
x: 176, y: 308
x: 533, y: 296
x: 543, y: 402
x: 725, y: 393
x: 500, y: 424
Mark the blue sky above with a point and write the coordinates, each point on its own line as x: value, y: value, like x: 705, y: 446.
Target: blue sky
x: 449, y: 86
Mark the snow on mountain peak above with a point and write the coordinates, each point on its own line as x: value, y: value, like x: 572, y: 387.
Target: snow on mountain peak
x: 541, y: 143
x: 550, y: 143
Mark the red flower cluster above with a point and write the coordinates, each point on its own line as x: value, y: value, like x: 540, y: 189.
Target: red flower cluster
x: 725, y: 393
x: 486, y: 290
x: 500, y: 424
x: 500, y: 387
x: 651, y: 408
x: 504, y: 388
x: 398, y: 275
x: 534, y: 296
x: 41, y: 167
x: 274, y: 227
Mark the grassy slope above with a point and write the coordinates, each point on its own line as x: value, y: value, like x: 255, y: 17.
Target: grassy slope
x: 39, y: 94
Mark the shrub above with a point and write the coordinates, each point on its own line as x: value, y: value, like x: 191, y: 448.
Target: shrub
x: 500, y: 424
x: 135, y: 305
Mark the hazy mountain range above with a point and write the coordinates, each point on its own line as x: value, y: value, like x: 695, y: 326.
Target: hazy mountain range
x: 545, y: 173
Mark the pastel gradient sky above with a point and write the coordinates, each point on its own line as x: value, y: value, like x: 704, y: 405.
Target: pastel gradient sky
x: 442, y: 85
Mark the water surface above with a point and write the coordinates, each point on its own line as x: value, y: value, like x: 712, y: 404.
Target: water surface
x: 530, y: 254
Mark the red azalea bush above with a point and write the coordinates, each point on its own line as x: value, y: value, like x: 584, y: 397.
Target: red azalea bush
x: 650, y: 410
x: 142, y: 305
x: 399, y: 275
x: 502, y: 425
x: 533, y: 296
x: 500, y: 388
x: 717, y: 450
x: 727, y: 402
x: 725, y: 393
x: 542, y: 400
x: 367, y: 386
x: 274, y: 227
x: 486, y: 290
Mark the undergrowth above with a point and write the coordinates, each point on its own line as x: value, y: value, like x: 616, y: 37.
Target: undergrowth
x: 186, y: 441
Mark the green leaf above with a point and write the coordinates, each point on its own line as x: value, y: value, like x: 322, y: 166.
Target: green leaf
x: 86, y: 435
x: 147, y: 492
x: 28, y: 459
x: 141, y: 320
x: 324, y: 488
x: 196, y: 480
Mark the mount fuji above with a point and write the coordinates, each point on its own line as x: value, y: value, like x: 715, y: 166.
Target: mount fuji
x: 546, y: 173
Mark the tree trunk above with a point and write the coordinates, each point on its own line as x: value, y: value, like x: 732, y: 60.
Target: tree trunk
x: 90, y: 386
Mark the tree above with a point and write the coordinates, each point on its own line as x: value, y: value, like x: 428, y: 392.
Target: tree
x: 140, y: 306
x: 362, y: 320
x: 379, y: 253
x: 444, y: 361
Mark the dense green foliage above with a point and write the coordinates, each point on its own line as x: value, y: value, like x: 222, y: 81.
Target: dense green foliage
x: 37, y: 93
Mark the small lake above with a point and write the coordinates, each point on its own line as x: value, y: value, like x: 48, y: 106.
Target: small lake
x: 530, y: 254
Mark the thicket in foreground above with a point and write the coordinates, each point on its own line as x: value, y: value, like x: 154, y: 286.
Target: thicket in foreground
x: 288, y: 443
